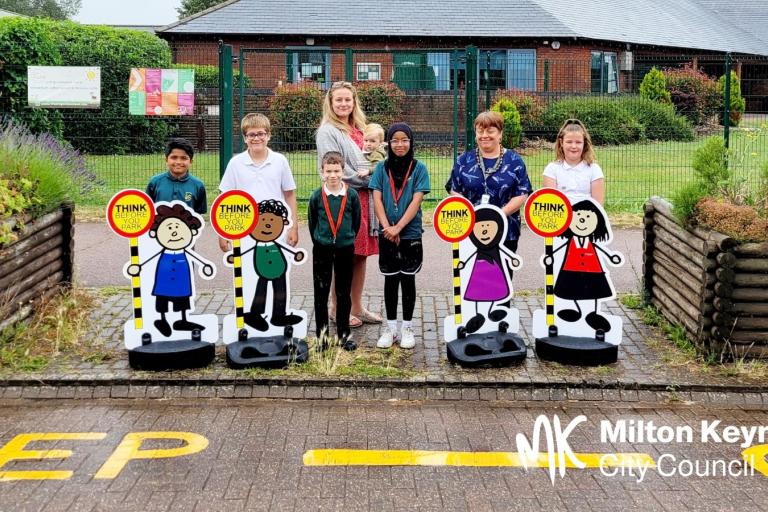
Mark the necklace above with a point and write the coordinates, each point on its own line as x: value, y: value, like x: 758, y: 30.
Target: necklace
x: 489, y: 172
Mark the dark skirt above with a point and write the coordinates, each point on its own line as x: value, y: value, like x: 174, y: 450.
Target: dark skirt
x: 582, y: 285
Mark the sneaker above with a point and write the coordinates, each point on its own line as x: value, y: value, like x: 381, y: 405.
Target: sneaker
x: 386, y: 339
x: 407, y: 339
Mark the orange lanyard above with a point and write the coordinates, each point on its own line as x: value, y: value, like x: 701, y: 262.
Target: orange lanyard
x: 335, y: 225
x: 396, y: 196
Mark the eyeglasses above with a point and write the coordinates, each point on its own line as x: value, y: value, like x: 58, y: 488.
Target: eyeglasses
x: 397, y: 142
x: 256, y: 135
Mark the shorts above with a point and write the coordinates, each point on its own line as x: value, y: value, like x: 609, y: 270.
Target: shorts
x: 404, y: 258
x: 179, y: 303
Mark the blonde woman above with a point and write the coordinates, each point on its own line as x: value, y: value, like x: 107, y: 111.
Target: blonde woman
x: 341, y: 129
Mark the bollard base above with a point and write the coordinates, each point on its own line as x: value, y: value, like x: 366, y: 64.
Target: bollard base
x: 497, y: 348
x: 172, y: 355
x: 267, y: 352
x: 574, y: 350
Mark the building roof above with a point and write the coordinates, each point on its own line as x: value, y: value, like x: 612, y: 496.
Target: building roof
x: 750, y: 15
x: 690, y: 24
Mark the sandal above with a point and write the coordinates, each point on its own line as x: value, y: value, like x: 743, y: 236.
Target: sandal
x: 368, y: 317
x: 355, y: 322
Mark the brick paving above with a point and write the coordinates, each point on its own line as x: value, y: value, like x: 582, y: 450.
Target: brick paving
x: 254, y: 459
x: 640, y: 373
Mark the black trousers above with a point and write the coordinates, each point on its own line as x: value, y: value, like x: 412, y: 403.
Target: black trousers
x: 326, y: 261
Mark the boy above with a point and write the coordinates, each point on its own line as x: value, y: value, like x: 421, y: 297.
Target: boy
x: 374, y: 147
x: 263, y: 173
x: 334, y: 219
x: 178, y: 183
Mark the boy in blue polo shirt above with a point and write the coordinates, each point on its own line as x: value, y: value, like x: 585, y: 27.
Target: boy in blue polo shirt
x: 177, y: 183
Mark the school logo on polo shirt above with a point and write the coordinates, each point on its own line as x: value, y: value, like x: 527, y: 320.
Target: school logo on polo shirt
x: 188, y: 196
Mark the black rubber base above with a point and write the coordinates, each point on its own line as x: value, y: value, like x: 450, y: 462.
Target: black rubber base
x: 268, y: 352
x: 487, y: 349
x: 172, y: 355
x: 576, y: 351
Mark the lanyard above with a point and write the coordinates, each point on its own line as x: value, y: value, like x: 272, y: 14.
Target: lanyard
x: 335, y: 225
x: 395, y: 195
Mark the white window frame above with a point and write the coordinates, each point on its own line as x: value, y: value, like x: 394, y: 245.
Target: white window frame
x: 368, y: 71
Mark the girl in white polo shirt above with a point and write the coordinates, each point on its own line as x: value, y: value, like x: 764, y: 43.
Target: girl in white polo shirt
x: 574, y: 171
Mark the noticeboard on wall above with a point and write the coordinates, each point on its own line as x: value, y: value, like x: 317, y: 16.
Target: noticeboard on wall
x: 64, y: 86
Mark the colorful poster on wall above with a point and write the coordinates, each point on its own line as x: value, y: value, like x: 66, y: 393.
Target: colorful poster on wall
x: 64, y: 86
x: 161, y: 92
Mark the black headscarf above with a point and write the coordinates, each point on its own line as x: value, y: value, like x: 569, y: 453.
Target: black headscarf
x: 489, y: 251
x: 398, y: 165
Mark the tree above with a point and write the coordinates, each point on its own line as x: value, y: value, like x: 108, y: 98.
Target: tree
x: 190, y: 7
x: 55, y: 9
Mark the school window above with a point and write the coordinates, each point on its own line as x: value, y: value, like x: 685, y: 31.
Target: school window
x: 308, y: 65
x: 605, y: 73
x: 507, y: 69
x: 368, y: 71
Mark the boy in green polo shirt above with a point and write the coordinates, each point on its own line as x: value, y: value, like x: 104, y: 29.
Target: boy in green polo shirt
x: 177, y: 184
x: 334, y: 219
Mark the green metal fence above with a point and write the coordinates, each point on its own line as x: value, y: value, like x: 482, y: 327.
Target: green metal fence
x: 643, y: 151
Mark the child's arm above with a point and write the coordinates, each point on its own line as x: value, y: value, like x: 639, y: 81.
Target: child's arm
x: 293, y: 233
x: 202, y: 202
x: 381, y: 214
x: 311, y: 215
x: 463, y: 264
x: 297, y: 255
x: 549, y: 182
x: 408, y: 216
x: 356, y: 214
x: 597, y: 190
x: 548, y: 259
x: 206, y: 269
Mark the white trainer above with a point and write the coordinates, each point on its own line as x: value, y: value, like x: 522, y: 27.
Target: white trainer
x: 386, y: 339
x: 407, y: 339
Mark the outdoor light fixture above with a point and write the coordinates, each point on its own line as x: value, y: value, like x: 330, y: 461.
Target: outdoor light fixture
x: 310, y: 41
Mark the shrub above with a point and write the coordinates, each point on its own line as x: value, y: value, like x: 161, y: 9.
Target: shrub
x: 512, y: 128
x: 737, y: 102
x: 694, y: 94
x: 659, y: 120
x: 37, y: 173
x: 26, y: 41
x: 382, y: 102
x: 710, y: 161
x: 654, y: 87
x: 607, y: 121
x: 528, y: 104
x: 685, y: 201
x: 111, y: 129
x: 295, y: 111
x: 740, y: 222
x: 207, y: 76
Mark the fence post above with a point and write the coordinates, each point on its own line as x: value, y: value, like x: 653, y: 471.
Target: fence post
x: 486, y: 74
x: 727, y: 101
x: 241, y: 93
x: 455, y: 86
x: 470, y: 90
x: 225, y: 106
x: 349, y: 68
x: 546, y: 76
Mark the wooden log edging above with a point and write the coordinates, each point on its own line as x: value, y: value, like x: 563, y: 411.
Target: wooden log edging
x: 707, y: 282
x: 39, y: 262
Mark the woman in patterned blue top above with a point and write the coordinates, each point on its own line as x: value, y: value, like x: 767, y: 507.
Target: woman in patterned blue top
x: 493, y: 171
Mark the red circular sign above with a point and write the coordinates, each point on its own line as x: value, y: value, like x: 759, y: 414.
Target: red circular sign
x: 130, y: 213
x: 454, y: 219
x: 234, y: 214
x: 548, y: 212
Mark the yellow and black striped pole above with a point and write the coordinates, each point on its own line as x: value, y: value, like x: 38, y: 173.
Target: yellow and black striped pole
x: 138, y: 321
x: 550, y: 283
x: 456, y: 284
x: 238, y: 270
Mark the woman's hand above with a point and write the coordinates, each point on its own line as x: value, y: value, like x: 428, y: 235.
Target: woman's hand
x: 224, y: 245
x: 363, y: 173
x: 293, y: 236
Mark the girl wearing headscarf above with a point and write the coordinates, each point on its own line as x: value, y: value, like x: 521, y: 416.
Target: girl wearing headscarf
x: 399, y: 184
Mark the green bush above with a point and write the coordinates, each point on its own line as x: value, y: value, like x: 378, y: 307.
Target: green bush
x: 659, y: 120
x: 684, y: 202
x: 710, y: 161
x: 110, y: 129
x: 26, y: 41
x: 654, y: 87
x: 694, y: 94
x: 528, y: 104
x: 37, y: 174
x: 295, y: 111
x: 207, y: 76
x: 607, y: 121
x: 737, y: 104
x: 382, y: 102
x: 512, y: 128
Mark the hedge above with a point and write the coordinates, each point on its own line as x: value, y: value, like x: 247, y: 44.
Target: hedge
x: 295, y: 112
x: 607, y: 121
x: 26, y: 41
x: 659, y: 120
x: 382, y: 102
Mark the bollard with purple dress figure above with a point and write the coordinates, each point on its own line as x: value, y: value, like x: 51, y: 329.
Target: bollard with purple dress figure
x: 266, y: 334
x: 163, y: 334
x: 482, y: 284
x: 572, y: 329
